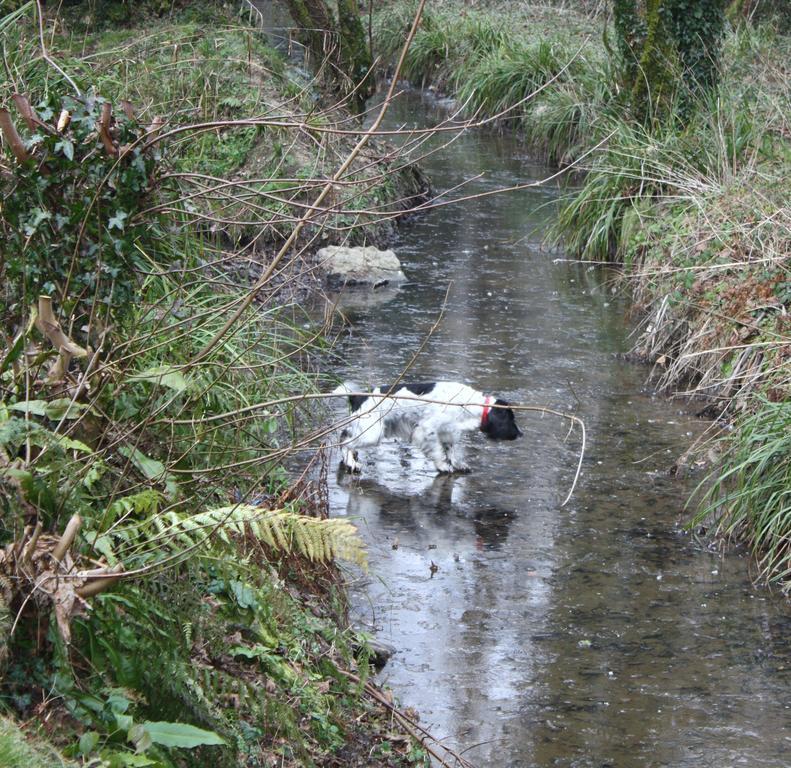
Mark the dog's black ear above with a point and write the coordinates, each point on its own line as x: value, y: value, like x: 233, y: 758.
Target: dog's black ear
x: 501, y: 423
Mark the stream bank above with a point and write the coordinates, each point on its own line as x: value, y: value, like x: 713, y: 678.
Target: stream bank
x: 169, y: 596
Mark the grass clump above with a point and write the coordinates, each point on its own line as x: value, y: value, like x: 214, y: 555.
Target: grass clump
x: 750, y: 495
x: 492, y: 61
x: 18, y: 750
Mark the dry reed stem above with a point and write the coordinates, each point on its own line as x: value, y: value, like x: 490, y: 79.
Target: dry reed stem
x: 417, y: 731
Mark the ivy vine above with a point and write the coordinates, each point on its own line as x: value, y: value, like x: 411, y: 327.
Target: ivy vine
x: 71, y: 208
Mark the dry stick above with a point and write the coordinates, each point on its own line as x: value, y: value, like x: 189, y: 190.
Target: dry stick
x: 411, y: 726
x: 66, y: 540
x: 309, y: 214
x: 12, y: 136
x: 46, y: 55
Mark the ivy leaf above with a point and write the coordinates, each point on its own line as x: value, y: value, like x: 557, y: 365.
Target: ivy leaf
x: 117, y: 221
x: 55, y: 410
x: 65, y: 146
x: 88, y: 742
x: 151, y: 468
x: 165, y: 375
x: 70, y: 444
x: 181, y: 735
x: 124, y: 722
x: 36, y: 217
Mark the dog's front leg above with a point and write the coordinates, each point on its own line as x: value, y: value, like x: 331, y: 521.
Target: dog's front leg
x: 456, y: 458
x: 350, y: 462
x: 429, y: 443
x: 348, y: 454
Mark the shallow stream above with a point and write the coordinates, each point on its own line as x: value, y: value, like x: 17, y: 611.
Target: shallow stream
x: 596, y: 634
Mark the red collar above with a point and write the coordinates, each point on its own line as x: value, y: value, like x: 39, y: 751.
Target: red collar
x: 485, y: 414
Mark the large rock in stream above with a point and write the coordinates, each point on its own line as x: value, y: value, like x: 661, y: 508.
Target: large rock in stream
x: 361, y: 265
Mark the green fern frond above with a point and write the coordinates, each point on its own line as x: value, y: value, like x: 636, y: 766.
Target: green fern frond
x: 172, y: 532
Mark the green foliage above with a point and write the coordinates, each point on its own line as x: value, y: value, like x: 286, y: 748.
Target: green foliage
x: 697, y: 27
x: 60, y: 473
x: 749, y: 497
x: 657, y: 37
x: 174, y: 534
x: 101, y: 14
x: 71, y: 219
x: 224, y: 642
x: 726, y: 136
x: 444, y: 44
x: 505, y: 76
x: 355, y: 56
x: 491, y: 64
x: 337, y: 40
x: 180, y: 735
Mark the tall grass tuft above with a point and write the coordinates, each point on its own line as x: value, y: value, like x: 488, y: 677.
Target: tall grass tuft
x: 503, y: 77
x: 750, y: 494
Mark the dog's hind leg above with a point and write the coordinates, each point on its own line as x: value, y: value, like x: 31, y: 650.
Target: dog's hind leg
x: 368, y: 429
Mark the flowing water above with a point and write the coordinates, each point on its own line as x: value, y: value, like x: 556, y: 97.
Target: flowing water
x: 596, y: 634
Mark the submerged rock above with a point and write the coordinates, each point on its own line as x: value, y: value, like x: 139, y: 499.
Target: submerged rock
x: 380, y: 652
x: 362, y: 265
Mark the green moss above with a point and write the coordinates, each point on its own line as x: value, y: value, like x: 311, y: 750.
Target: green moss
x: 20, y: 750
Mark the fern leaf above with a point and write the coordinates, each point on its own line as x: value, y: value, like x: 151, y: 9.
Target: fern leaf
x: 171, y: 532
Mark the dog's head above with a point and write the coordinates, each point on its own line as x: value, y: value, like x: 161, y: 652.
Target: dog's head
x: 500, y: 423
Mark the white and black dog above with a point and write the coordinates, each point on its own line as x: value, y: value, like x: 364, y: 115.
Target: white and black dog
x: 432, y: 416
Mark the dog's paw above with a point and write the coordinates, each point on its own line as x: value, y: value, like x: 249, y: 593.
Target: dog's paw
x: 349, y: 462
x: 352, y: 468
x: 461, y: 469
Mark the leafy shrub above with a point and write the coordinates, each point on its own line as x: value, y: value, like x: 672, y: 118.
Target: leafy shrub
x: 71, y: 217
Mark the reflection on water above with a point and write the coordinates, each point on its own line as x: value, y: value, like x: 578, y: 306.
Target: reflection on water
x: 590, y: 635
